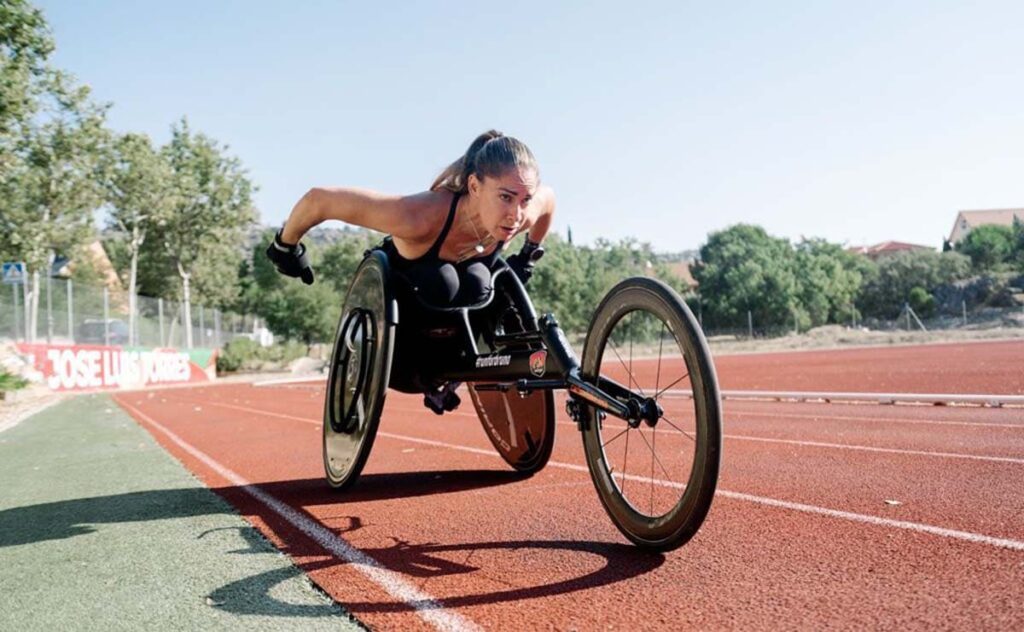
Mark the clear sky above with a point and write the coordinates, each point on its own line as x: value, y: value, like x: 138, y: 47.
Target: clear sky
x: 857, y: 121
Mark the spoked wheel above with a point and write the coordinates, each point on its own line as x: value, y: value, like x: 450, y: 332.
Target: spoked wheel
x: 656, y: 473
x: 359, y: 371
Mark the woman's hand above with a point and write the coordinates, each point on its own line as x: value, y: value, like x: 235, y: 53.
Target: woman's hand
x: 290, y: 259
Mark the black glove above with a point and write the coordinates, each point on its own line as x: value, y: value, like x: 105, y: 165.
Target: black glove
x: 290, y: 260
x: 523, y: 261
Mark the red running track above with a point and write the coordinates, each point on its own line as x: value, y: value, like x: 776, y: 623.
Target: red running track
x: 844, y: 516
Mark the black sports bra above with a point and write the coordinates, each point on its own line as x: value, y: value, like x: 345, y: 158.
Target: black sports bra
x: 445, y: 283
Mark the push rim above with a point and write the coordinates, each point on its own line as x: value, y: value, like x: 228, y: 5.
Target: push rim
x: 358, y: 378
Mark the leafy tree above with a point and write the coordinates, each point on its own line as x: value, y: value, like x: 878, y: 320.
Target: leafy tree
x: 1018, y: 243
x: 51, y: 184
x: 301, y: 312
x: 829, y: 279
x: 25, y: 46
x: 337, y: 263
x: 212, y: 209
x: 743, y: 268
x: 988, y: 246
x: 888, y: 286
x: 138, y: 189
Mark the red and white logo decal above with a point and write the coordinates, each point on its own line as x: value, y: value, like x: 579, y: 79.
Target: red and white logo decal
x: 538, y: 361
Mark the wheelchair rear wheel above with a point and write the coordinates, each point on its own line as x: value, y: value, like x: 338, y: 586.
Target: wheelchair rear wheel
x: 359, y: 371
x: 522, y: 429
x: 655, y: 475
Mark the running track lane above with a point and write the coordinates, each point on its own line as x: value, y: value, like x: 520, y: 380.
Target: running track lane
x: 498, y: 551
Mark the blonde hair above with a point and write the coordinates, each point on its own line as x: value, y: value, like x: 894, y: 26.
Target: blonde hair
x: 490, y: 154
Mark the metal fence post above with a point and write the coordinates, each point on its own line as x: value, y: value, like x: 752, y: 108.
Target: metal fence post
x: 160, y: 317
x: 17, y: 316
x: 963, y: 307
x: 750, y: 324
x: 106, y: 316
x: 216, y: 328
x: 49, y: 306
x: 71, y: 314
x: 202, y: 326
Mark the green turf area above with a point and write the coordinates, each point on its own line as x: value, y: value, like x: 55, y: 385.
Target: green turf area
x: 100, y: 529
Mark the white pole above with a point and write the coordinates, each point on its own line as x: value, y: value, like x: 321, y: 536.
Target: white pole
x: 106, y: 316
x: 71, y: 313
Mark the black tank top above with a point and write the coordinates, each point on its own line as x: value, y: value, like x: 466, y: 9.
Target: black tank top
x: 446, y: 283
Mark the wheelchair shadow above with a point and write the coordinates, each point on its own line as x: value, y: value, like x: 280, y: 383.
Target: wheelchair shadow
x: 620, y: 562
x: 390, y: 486
x: 254, y: 594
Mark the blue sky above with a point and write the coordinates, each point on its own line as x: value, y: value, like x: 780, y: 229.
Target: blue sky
x: 857, y: 122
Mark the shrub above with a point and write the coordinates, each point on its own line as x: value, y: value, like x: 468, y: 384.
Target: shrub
x: 11, y: 382
x: 921, y: 302
x: 236, y: 353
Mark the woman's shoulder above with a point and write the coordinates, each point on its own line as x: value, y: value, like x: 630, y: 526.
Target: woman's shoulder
x: 423, y: 215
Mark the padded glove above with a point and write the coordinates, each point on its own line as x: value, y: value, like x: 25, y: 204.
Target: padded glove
x: 290, y: 259
x: 523, y: 261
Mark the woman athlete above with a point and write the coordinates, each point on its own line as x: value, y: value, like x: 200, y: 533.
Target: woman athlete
x: 445, y: 241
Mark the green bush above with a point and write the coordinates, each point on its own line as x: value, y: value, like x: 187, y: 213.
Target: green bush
x: 235, y: 354
x: 244, y: 354
x: 922, y: 302
x: 11, y: 382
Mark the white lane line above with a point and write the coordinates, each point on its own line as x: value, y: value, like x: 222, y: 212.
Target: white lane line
x: 812, y: 444
x: 425, y: 606
x: 867, y: 448
x: 311, y: 379
x: 977, y: 538
x: 887, y: 420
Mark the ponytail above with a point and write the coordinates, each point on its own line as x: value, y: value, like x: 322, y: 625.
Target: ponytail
x: 490, y: 154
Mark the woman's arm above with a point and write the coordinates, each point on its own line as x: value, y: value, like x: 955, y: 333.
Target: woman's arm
x: 405, y: 217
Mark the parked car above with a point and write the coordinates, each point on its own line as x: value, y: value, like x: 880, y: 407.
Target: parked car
x: 92, y: 331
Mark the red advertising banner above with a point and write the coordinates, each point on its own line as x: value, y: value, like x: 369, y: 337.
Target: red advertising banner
x: 87, y: 367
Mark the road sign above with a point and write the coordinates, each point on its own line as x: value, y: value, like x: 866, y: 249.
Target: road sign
x: 14, y: 272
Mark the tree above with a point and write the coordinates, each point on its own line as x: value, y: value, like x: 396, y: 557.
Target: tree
x: 338, y: 262
x: 52, y: 184
x: 25, y: 46
x: 51, y: 138
x: 829, y: 279
x: 138, y: 189
x: 1018, y: 243
x: 887, y: 287
x: 988, y: 246
x: 742, y: 269
x: 210, y: 213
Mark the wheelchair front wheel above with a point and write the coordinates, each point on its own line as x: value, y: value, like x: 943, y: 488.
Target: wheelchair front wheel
x: 359, y: 372
x: 656, y: 476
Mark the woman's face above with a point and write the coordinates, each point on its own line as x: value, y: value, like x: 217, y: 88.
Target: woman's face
x: 502, y: 200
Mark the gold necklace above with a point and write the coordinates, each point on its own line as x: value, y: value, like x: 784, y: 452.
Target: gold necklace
x: 481, y: 244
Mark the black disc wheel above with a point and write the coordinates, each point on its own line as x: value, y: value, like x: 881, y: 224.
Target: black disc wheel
x: 359, y: 371
x: 521, y: 429
x: 655, y: 472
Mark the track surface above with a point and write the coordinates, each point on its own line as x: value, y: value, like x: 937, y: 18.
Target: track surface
x: 844, y: 516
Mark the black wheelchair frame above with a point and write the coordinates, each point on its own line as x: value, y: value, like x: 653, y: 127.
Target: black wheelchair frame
x: 536, y: 358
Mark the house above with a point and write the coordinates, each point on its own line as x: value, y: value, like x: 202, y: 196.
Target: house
x: 678, y: 269
x: 886, y: 248
x: 967, y: 220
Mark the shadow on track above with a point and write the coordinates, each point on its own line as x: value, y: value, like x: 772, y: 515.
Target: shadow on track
x: 69, y: 518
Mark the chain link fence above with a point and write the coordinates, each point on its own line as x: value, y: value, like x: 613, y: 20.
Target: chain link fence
x: 74, y: 313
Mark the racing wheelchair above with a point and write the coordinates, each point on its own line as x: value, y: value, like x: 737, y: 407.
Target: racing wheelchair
x: 646, y: 383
